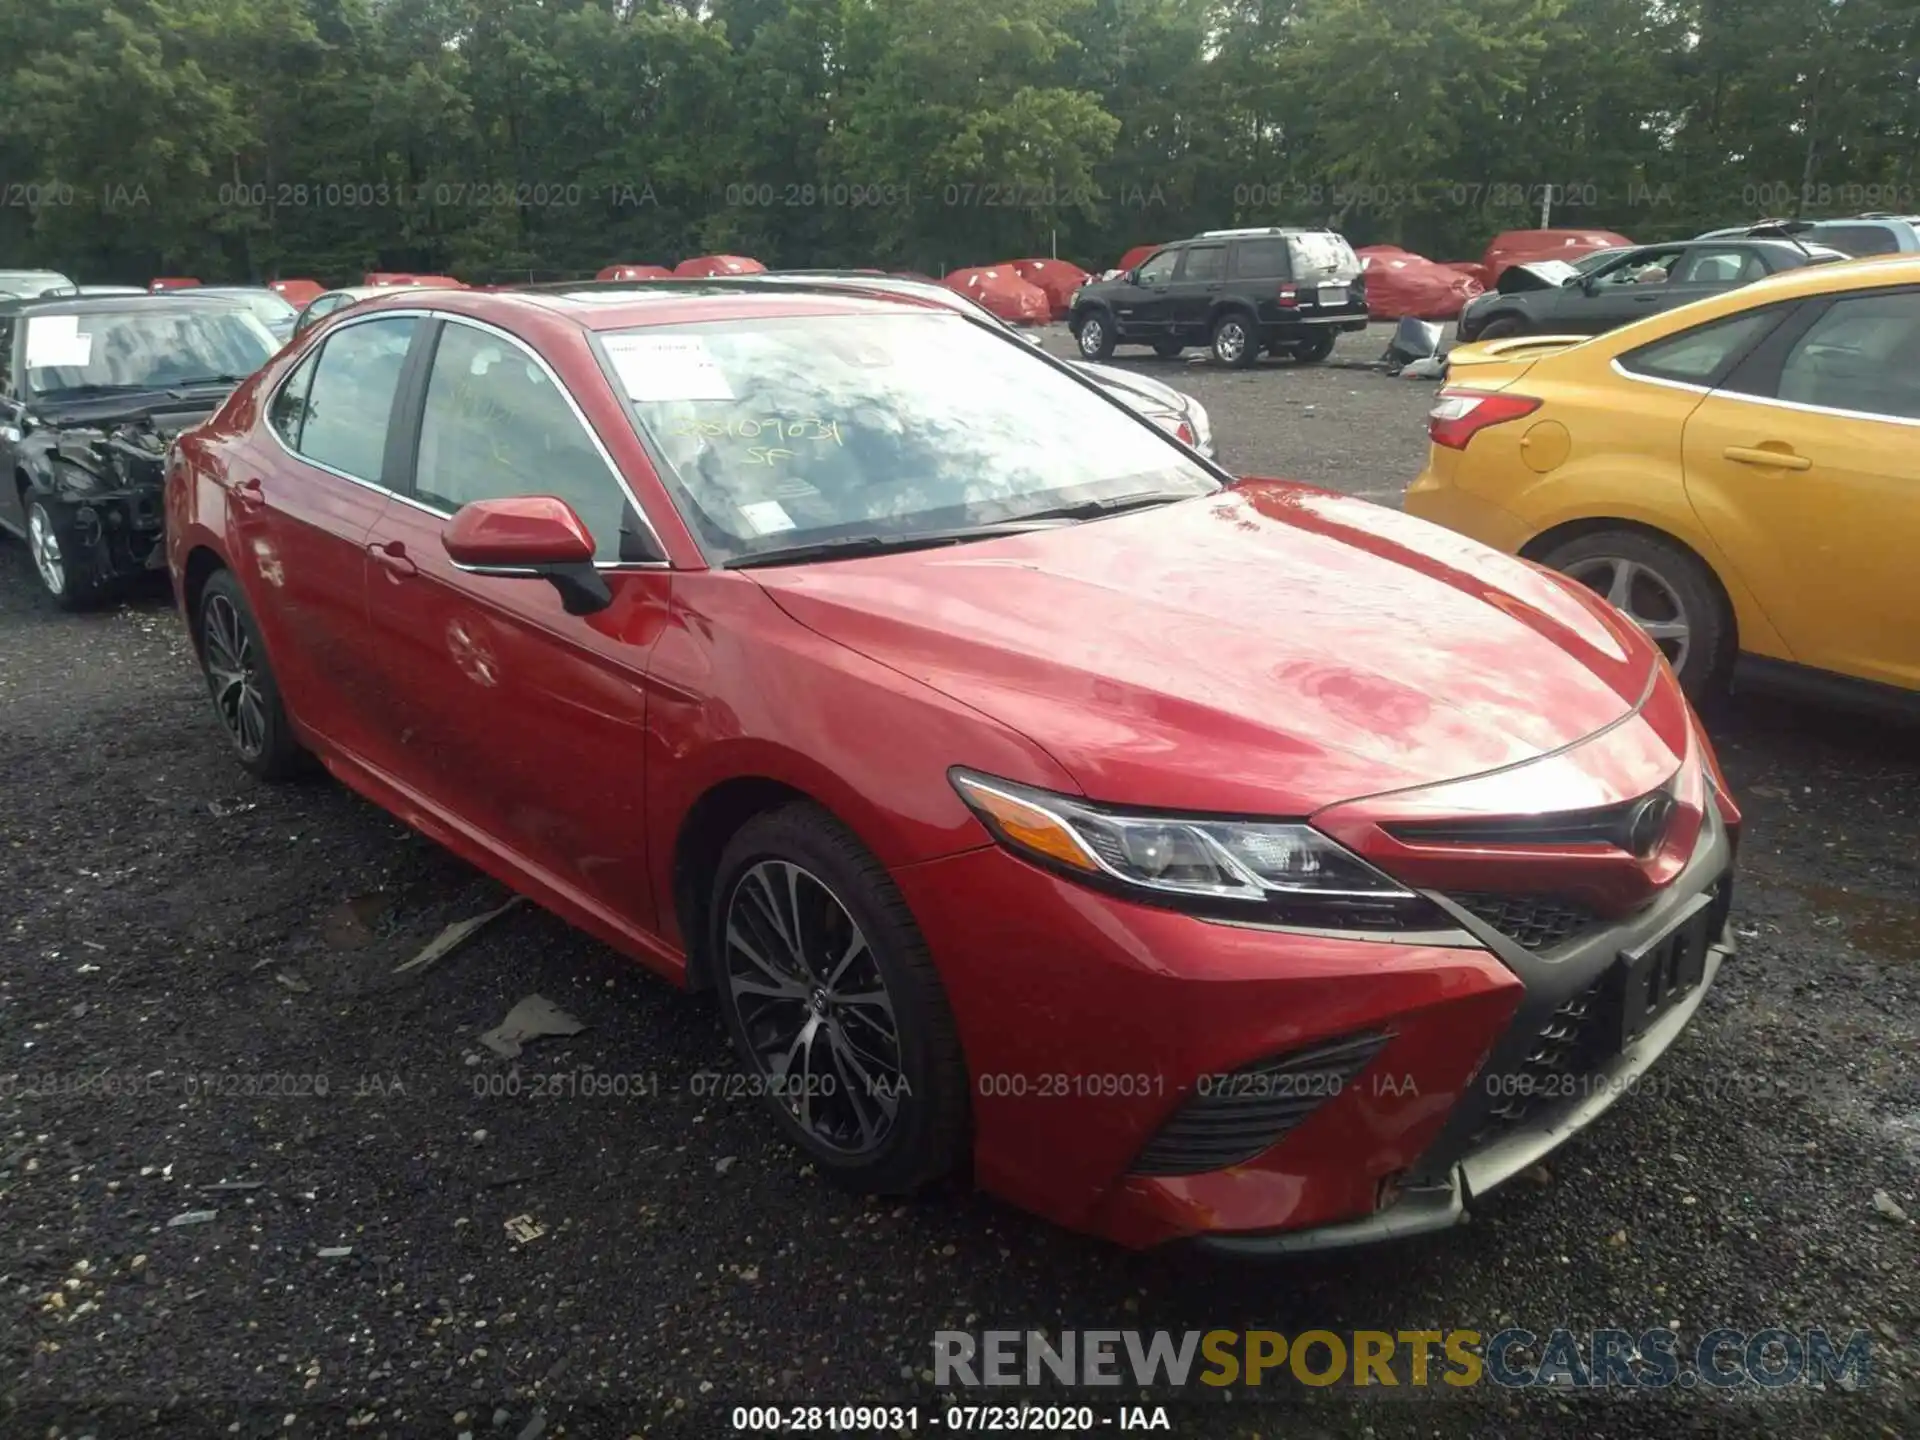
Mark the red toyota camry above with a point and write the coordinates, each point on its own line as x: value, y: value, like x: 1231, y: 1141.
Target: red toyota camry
x: 1189, y: 858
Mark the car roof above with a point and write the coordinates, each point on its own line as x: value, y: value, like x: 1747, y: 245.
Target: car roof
x: 631, y: 304
x: 87, y: 304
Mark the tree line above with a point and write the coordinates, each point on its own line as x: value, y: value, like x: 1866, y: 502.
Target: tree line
x: 504, y: 139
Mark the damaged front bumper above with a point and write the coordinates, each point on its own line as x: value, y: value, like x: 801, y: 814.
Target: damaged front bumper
x: 115, y: 534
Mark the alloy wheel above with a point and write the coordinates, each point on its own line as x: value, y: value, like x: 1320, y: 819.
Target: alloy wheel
x: 814, y: 1006
x: 1231, y: 342
x: 228, y: 653
x: 46, y: 551
x: 1645, y: 597
x: 1092, y: 335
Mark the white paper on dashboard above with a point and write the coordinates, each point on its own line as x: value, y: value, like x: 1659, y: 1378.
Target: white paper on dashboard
x: 667, y: 367
x: 767, y: 517
x: 55, y: 342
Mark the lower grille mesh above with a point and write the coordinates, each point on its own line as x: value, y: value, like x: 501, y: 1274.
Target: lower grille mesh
x: 1565, y: 1050
x: 1233, y: 1117
x: 1539, y: 922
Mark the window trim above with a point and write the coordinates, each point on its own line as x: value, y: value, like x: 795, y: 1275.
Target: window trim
x: 314, y: 354
x: 415, y: 419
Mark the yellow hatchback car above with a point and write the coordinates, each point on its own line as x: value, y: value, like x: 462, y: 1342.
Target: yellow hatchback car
x: 1741, y: 475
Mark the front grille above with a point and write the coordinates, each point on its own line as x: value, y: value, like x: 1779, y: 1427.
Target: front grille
x: 1235, y: 1116
x: 1568, y: 1047
x: 1537, y: 922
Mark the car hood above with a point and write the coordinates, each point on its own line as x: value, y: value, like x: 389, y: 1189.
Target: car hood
x: 1270, y: 649
x: 1531, y: 275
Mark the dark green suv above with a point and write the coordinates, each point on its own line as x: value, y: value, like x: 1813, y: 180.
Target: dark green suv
x: 1276, y: 290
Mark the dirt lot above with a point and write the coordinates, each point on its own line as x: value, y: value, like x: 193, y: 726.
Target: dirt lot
x: 190, y: 960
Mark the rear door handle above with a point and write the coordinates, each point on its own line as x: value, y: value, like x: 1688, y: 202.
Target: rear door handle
x: 250, y: 494
x: 392, y: 556
x: 1767, y: 459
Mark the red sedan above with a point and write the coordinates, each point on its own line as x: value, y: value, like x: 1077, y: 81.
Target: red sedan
x: 1191, y: 858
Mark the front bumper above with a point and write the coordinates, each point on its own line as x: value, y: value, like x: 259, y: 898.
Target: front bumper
x: 1088, y: 1021
x: 118, y: 533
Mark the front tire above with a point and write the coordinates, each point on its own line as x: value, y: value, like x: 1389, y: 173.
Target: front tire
x: 1664, y: 590
x: 1501, y: 328
x: 246, y: 697
x: 1233, y: 343
x: 1094, y: 336
x: 834, y: 1005
x: 64, y: 569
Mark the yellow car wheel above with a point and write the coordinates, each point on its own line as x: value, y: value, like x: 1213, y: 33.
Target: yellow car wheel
x: 1662, y: 588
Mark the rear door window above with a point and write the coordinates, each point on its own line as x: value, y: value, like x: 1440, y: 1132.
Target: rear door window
x: 1862, y: 355
x: 6, y: 356
x: 351, y: 397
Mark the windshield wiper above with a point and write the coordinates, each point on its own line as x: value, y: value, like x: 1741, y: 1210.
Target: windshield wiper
x: 851, y: 547
x: 82, y: 392
x: 1097, y: 509
x: 175, y: 387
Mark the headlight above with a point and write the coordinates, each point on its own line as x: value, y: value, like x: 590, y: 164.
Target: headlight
x: 1278, y: 872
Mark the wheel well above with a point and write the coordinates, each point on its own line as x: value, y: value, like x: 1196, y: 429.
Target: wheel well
x: 1537, y: 548
x: 202, y: 564
x: 1231, y: 307
x: 714, y: 819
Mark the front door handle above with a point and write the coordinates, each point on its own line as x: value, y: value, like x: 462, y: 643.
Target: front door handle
x: 1767, y: 459
x: 392, y: 557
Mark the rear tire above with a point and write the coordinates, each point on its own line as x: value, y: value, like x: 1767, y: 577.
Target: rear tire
x: 1312, y: 351
x: 1664, y: 589
x: 1093, y: 335
x: 1233, y: 341
x: 823, y: 976
x: 240, y: 681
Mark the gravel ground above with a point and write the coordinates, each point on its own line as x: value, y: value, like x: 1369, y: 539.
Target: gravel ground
x: 190, y: 958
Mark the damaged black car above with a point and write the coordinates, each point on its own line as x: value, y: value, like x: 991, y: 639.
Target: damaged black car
x: 92, y: 392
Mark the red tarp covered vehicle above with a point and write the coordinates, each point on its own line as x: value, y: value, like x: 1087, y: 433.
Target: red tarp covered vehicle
x: 634, y: 272
x: 171, y: 282
x: 1001, y: 290
x: 1400, y: 283
x: 1518, y: 247
x: 1135, y: 256
x: 719, y: 265
x: 1057, y: 278
x: 296, y: 292
x: 1472, y: 268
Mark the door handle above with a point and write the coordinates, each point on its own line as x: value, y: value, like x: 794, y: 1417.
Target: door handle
x: 1767, y: 459
x: 392, y: 556
x: 249, y: 494
x: 1212, y: 288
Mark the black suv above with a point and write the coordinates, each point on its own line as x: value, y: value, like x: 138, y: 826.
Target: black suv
x: 1281, y: 290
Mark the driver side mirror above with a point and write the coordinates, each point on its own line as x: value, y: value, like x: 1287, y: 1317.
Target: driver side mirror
x: 533, y: 536
x: 1589, y: 283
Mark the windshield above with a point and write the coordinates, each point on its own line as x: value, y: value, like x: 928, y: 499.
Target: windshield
x: 1319, y: 253
x: 143, y: 349
x: 783, y: 433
